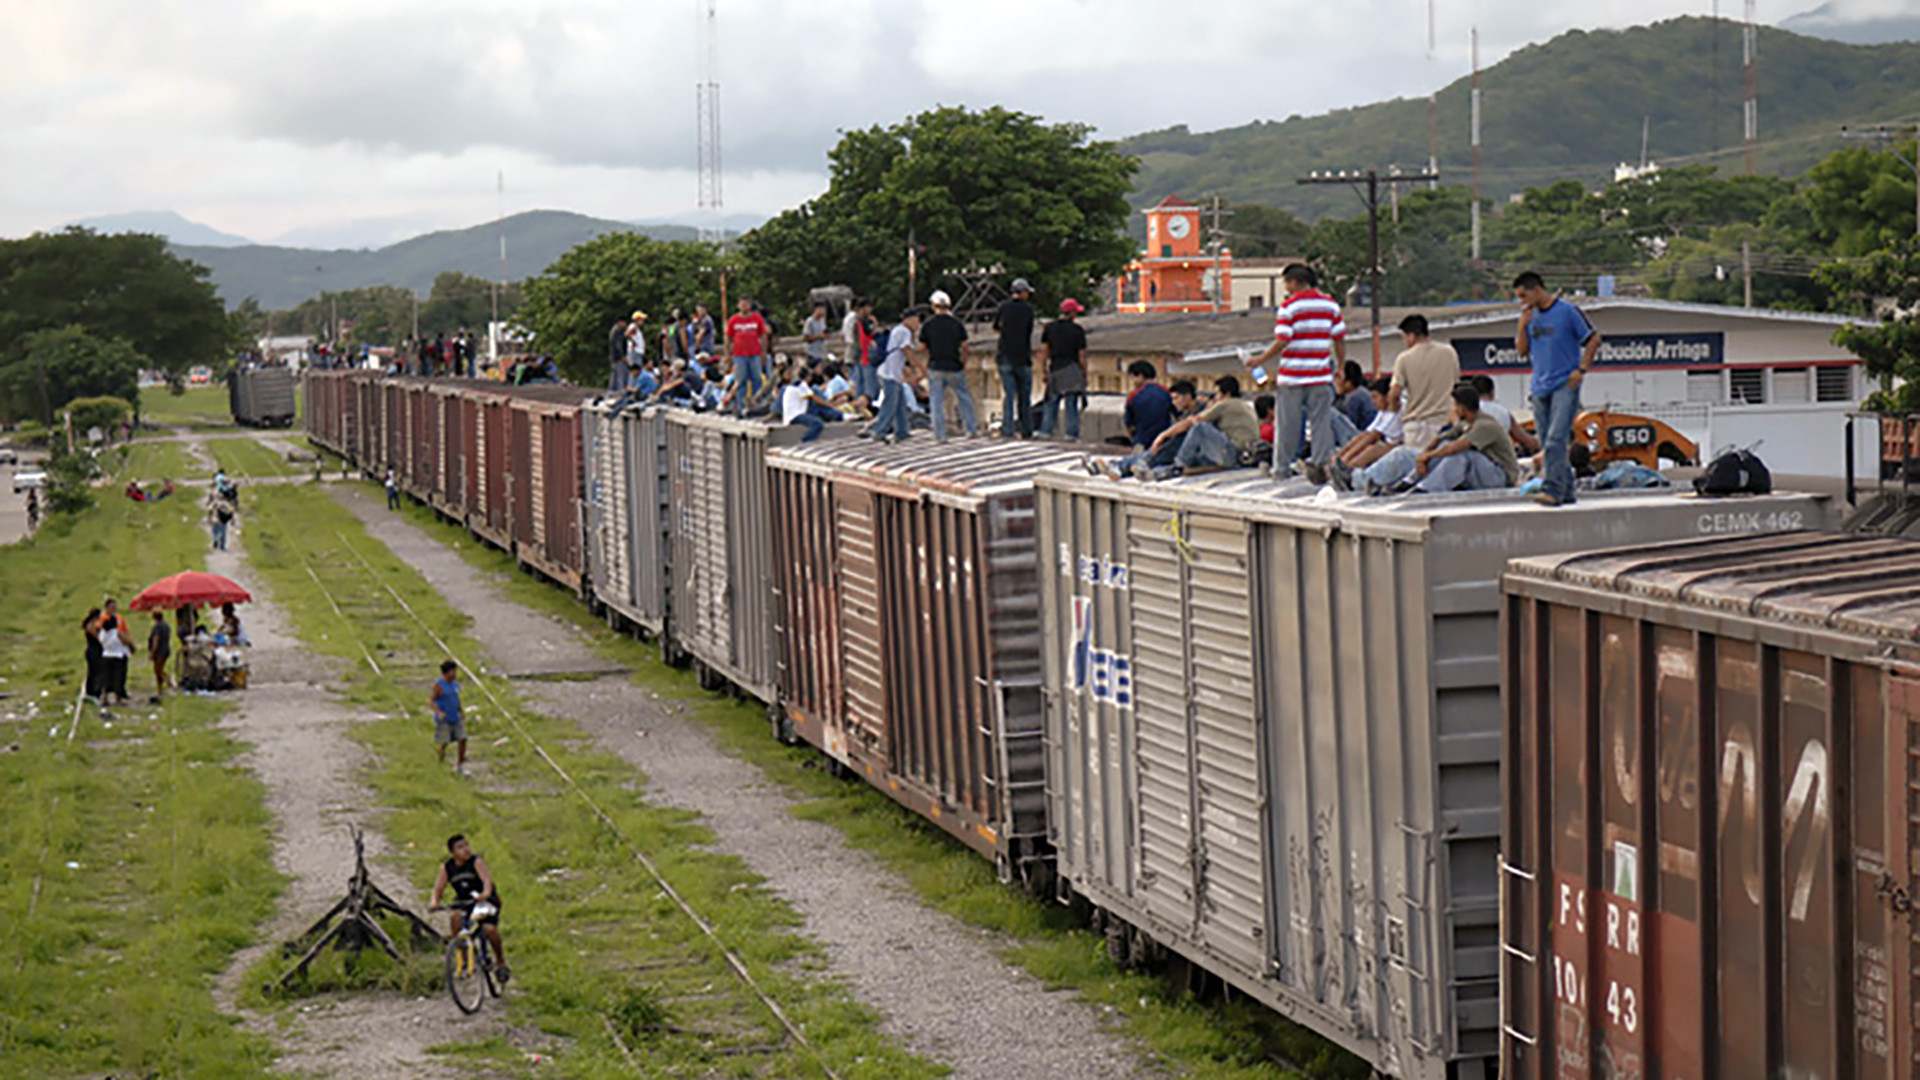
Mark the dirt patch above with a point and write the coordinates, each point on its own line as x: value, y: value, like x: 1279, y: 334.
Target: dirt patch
x: 988, y: 1019
x: 300, y: 746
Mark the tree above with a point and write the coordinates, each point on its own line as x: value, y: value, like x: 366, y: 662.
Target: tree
x: 1885, y: 283
x: 465, y: 302
x: 995, y: 189
x: 375, y: 314
x: 53, y: 367
x: 1265, y: 232
x: 571, y: 305
x: 1857, y: 201
x: 124, y: 286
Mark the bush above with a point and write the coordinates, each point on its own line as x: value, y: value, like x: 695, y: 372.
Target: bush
x: 32, y: 433
x: 70, y: 482
x: 105, y: 413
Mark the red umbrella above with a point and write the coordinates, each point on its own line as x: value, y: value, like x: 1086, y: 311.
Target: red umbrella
x: 189, y: 588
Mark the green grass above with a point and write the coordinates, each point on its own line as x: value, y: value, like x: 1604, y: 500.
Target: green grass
x: 244, y: 456
x: 1210, y: 1039
x: 588, y: 932
x: 156, y: 461
x: 197, y: 407
x: 135, y: 859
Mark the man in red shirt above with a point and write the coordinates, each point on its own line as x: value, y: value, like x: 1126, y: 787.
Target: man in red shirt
x: 747, y: 335
x: 1309, y: 337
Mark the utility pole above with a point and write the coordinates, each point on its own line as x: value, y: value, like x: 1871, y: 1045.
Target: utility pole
x: 707, y: 120
x: 1371, y: 197
x: 493, y: 326
x: 1889, y: 137
x: 1216, y: 243
x: 1746, y: 273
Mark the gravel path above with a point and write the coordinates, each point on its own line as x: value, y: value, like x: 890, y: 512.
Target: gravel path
x: 299, y: 746
x: 936, y: 982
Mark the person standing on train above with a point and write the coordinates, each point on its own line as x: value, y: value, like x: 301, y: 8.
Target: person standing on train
x: 617, y: 356
x: 1066, y: 343
x: 856, y: 336
x: 747, y: 336
x: 700, y: 331
x: 1014, y: 354
x: 1309, y: 339
x: 894, y: 422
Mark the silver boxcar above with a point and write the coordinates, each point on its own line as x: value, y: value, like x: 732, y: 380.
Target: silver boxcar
x: 262, y: 396
x: 1274, y: 740
x: 722, y: 551
x: 627, y: 518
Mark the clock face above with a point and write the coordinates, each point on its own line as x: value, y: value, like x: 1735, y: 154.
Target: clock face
x: 1178, y: 227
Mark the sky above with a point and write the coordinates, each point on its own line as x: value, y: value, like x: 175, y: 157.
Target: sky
x: 309, y: 120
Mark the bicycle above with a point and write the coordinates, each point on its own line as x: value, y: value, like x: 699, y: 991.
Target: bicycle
x: 470, y: 964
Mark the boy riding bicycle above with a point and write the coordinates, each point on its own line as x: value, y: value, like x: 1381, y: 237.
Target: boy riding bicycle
x: 467, y: 874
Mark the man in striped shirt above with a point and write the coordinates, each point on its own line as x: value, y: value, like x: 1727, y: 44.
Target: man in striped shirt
x: 1309, y: 338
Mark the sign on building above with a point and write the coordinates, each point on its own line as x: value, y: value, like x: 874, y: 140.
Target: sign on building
x: 1616, y: 351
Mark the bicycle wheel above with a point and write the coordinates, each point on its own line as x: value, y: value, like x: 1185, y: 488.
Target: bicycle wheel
x: 466, y: 981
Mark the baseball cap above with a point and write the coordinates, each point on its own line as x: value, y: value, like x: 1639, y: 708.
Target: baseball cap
x: 940, y: 298
x: 1020, y: 285
x: 1070, y: 306
x: 639, y: 316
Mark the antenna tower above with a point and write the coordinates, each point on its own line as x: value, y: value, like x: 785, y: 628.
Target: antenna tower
x: 707, y: 116
x: 1433, y: 104
x: 1476, y: 144
x: 1750, y: 55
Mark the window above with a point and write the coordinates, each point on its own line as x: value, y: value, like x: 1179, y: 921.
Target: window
x: 1747, y: 386
x: 1705, y: 388
x: 1833, y: 383
x: 1256, y: 302
x: 1791, y: 385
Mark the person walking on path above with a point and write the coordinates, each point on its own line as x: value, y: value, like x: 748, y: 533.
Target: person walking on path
x: 393, y: 487
x: 893, y: 423
x: 1014, y: 355
x: 160, y: 650
x: 1066, y: 342
x: 116, y: 648
x: 1424, y: 376
x: 747, y: 335
x: 449, y: 723
x: 90, y: 628
x: 220, y: 514
x: 1309, y: 337
x: 946, y: 340
x: 1561, y: 344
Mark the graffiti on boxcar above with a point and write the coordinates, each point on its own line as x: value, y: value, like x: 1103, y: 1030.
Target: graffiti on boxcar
x: 1805, y: 813
x: 1100, y: 673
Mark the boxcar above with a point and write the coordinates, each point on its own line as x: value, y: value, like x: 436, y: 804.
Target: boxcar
x: 262, y: 396
x: 1274, y: 735
x: 628, y: 538
x: 909, y: 628
x: 1713, y: 812
x: 546, y: 481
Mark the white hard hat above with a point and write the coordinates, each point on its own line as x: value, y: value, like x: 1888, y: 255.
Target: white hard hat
x: 940, y: 299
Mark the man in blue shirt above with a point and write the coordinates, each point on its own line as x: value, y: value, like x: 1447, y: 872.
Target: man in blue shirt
x: 1561, y: 345
x: 1149, y: 407
x: 449, y: 725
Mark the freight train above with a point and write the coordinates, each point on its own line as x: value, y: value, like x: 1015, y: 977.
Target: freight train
x: 1242, y: 725
x: 262, y: 396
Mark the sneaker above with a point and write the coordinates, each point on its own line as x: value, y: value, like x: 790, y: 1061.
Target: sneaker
x: 1108, y: 470
x: 1340, y: 475
x: 1143, y: 471
x: 502, y: 973
x: 1547, y: 498
x: 1315, y: 472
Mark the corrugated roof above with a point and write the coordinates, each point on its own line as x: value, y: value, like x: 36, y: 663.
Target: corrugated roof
x: 1868, y: 586
x: 975, y: 467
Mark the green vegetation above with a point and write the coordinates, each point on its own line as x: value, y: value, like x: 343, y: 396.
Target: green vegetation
x: 1211, y: 1039
x: 1569, y: 108
x: 246, y: 457
x: 80, y: 313
x: 588, y: 933
x: 573, y: 302
x: 977, y: 189
x: 152, y: 461
x: 136, y: 858
x: 1890, y: 350
x: 385, y: 314
x: 193, y: 408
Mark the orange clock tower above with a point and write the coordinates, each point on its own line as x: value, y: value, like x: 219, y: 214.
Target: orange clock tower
x: 1176, y: 273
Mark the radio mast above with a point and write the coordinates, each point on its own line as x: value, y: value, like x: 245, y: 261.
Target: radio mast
x: 707, y: 119
x: 1475, y: 138
x: 1750, y: 55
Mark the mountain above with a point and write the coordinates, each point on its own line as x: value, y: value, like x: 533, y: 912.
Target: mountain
x: 280, y: 277
x: 354, y: 234
x: 1843, y: 20
x: 1572, y: 106
x: 176, y: 229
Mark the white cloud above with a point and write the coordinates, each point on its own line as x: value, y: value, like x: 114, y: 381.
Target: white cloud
x: 263, y: 116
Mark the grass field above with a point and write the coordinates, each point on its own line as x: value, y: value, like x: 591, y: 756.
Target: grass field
x: 154, y: 461
x: 135, y: 858
x: 1211, y: 1039
x: 197, y: 407
x: 594, y: 941
x: 246, y: 457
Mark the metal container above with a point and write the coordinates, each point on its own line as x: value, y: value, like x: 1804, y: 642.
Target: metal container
x: 1274, y: 740
x: 1749, y: 710
x: 722, y: 547
x: 448, y: 481
x: 423, y: 439
x: 262, y: 396
x: 906, y: 583
x: 627, y: 516
x: 493, y: 522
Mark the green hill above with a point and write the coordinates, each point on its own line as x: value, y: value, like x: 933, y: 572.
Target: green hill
x: 1571, y: 107
x: 280, y: 278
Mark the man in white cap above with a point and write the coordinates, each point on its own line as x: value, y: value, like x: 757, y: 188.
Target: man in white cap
x: 1014, y: 321
x: 636, y: 344
x: 946, y: 340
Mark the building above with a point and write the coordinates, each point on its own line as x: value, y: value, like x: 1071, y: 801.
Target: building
x: 1177, y: 273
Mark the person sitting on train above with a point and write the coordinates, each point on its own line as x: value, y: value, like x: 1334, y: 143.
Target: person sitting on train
x: 802, y: 406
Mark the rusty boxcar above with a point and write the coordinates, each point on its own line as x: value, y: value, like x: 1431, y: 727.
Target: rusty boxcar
x: 906, y: 592
x: 1713, y: 811
x: 1274, y: 735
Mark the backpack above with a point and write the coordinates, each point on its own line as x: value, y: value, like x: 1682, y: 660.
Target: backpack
x: 877, y: 353
x: 1735, y: 472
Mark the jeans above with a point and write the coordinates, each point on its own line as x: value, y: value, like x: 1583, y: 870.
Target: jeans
x: 892, y: 420
x: 1156, y: 460
x: 866, y: 383
x: 1468, y: 470
x: 1553, y: 421
x: 393, y: 498
x: 939, y: 385
x: 1205, y: 447
x: 1052, y: 407
x: 1292, y: 405
x: 1343, y: 431
x: 617, y: 379
x: 1016, y: 412
x: 1394, y: 466
x: 815, y: 420
x: 219, y: 535
x: 753, y: 371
